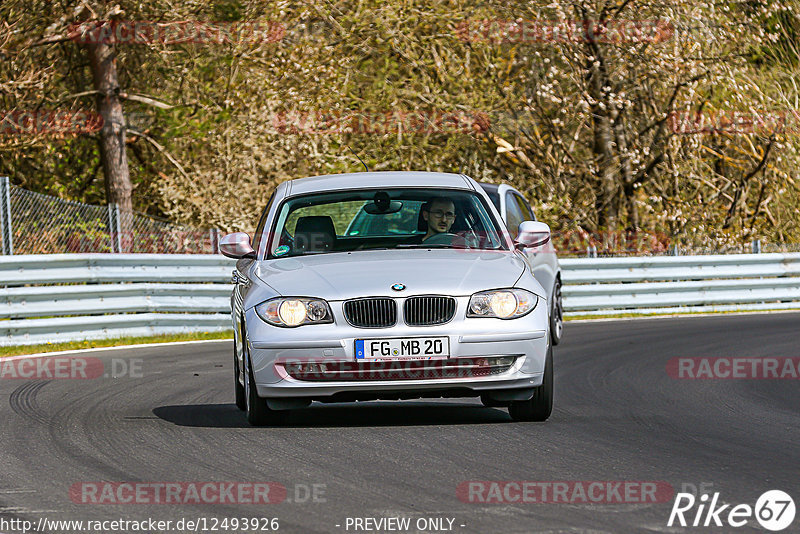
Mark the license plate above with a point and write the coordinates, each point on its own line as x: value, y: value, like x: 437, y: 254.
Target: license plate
x: 403, y: 347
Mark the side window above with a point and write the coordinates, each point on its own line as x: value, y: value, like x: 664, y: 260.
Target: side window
x: 514, y: 215
x: 260, y: 228
x: 525, y: 208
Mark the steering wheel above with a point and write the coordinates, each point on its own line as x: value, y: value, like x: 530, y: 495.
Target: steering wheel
x: 442, y: 238
x: 471, y: 239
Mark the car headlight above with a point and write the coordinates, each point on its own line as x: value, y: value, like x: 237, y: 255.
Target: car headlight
x: 294, y: 311
x: 502, y: 303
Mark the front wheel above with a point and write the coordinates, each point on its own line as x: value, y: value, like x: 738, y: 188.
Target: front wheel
x: 258, y: 413
x: 540, y: 406
x: 556, y: 315
x: 238, y: 388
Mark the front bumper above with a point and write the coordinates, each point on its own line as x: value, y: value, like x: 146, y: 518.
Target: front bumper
x: 277, y: 352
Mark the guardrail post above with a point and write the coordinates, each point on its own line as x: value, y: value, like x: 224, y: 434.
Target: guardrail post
x: 591, y: 251
x: 674, y: 251
x: 757, y: 246
x: 5, y: 216
x: 114, y: 228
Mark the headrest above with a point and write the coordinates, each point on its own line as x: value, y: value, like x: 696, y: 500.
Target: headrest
x: 422, y: 226
x: 314, y: 233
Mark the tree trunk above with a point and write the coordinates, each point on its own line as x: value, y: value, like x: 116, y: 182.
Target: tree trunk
x: 607, y: 203
x: 626, y: 175
x: 102, y: 56
x: 630, y: 207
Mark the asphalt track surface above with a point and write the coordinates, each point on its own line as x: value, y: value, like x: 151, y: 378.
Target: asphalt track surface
x: 618, y: 417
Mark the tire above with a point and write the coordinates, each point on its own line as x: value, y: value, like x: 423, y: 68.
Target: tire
x: 540, y: 406
x: 256, y: 409
x: 239, y: 390
x: 556, y: 315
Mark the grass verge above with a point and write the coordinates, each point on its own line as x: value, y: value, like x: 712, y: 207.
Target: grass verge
x: 18, y: 350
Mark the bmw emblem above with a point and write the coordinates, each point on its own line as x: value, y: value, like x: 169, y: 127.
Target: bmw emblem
x: 398, y: 287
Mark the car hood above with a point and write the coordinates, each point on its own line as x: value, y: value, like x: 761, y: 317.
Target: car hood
x: 341, y: 276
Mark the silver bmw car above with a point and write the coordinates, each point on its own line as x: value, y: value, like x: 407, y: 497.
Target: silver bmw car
x: 388, y: 285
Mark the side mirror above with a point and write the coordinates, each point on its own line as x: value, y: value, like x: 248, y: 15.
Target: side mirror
x: 532, y: 234
x: 237, y: 246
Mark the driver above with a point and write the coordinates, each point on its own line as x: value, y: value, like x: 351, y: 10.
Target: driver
x: 439, y: 214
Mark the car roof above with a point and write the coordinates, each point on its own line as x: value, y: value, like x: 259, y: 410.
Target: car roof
x: 361, y: 180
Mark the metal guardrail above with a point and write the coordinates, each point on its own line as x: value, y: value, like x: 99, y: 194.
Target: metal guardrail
x: 65, y: 297
x: 681, y: 284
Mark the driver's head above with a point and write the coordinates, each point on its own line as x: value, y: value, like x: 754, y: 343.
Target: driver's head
x: 439, y: 213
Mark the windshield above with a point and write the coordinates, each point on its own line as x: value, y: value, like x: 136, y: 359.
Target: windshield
x: 381, y: 219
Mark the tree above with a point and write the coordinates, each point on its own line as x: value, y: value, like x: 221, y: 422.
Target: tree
x: 605, y: 125
x: 102, y: 58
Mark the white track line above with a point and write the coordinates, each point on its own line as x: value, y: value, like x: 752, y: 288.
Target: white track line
x: 601, y: 319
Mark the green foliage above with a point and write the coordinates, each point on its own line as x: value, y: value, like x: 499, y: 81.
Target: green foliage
x: 214, y: 157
